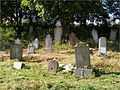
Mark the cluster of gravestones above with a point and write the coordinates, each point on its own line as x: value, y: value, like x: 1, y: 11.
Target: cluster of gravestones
x: 82, y: 55
x: 81, y: 51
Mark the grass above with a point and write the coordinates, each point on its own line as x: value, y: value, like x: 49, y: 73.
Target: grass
x: 36, y: 77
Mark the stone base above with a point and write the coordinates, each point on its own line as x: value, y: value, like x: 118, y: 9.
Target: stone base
x: 80, y: 72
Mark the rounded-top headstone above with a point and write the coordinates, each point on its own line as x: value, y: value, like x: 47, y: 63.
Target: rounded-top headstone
x: 53, y: 66
x: 16, y: 51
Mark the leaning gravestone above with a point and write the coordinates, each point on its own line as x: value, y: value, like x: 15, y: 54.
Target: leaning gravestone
x: 82, y: 55
x: 48, y: 43
x: 102, y: 46
x: 16, y: 51
x: 113, y: 34
x: 95, y: 35
x: 53, y: 66
x: 18, y: 65
x: 17, y: 41
x: 72, y: 39
x: 31, y: 48
x: 58, y: 32
x: 36, y: 43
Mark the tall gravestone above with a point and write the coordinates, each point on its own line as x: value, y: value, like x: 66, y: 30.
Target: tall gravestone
x: 72, y: 39
x: 95, y: 35
x: 58, y: 32
x: 102, y: 46
x: 113, y: 34
x: 31, y: 48
x: 17, y: 41
x: 48, y: 43
x: 36, y: 43
x: 16, y: 51
x: 31, y: 33
x: 82, y: 55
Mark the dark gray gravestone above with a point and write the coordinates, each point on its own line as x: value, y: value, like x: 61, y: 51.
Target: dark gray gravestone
x: 113, y: 34
x: 16, y: 51
x: 72, y: 39
x: 102, y: 46
x: 82, y: 55
x: 48, y: 43
x: 81, y: 72
x: 58, y: 32
x: 31, y: 48
x: 36, y: 43
x: 53, y: 66
x: 95, y: 35
x: 18, y: 65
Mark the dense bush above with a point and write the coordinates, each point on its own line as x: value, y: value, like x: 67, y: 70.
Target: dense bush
x: 7, y: 35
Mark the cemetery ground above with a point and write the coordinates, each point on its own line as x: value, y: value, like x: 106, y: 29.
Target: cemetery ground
x: 35, y: 75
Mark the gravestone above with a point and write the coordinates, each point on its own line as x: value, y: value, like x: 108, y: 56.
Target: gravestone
x: 102, y: 46
x: 81, y: 72
x: 82, y: 56
x: 16, y: 51
x: 17, y: 41
x: 58, y: 32
x: 31, y: 36
x: 48, y: 43
x: 36, y: 43
x: 95, y: 35
x: 18, y: 65
x: 72, y: 39
x: 31, y: 48
x: 113, y: 34
x: 53, y: 66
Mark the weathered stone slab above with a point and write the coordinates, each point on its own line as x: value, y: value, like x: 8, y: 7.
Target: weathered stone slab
x: 58, y: 32
x: 31, y: 48
x: 102, y: 46
x: 18, y: 65
x: 82, y: 55
x: 95, y: 36
x: 113, y: 34
x: 53, y: 66
x: 36, y: 43
x: 16, y: 51
x: 72, y: 39
x: 48, y: 43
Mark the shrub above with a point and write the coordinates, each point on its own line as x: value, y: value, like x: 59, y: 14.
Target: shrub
x: 7, y: 35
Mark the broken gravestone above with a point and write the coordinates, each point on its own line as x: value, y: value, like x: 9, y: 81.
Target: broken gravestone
x: 53, y: 66
x: 18, y: 65
x: 48, y: 43
x: 16, y: 51
x: 82, y: 55
x: 31, y: 48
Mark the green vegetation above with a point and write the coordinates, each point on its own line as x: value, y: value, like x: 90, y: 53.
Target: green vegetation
x: 7, y: 35
x: 36, y: 77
